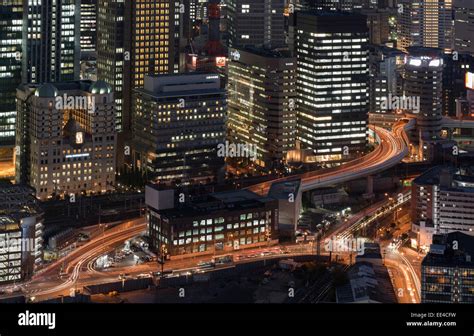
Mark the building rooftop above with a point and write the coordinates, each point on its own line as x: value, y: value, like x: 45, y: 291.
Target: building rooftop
x: 424, y: 51
x: 455, y: 249
x: 282, y: 190
x: 46, y: 91
x: 448, y: 178
x: 181, y: 85
x: 269, y: 53
x: 16, y: 202
x: 228, y: 201
x: 51, y: 90
x: 100, y: 87
x: 367, y: 282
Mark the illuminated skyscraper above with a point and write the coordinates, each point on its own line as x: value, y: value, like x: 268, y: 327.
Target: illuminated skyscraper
x: 262, y: 103
x: 332, y: 83
x: 424, y: 81
x: 137, y: 38
x: 51, y: 41
x: 256, y: 23
x: 464, y: 26
x: 11, y: 18
x: 88, y: 28
x: 111, y: 51
x: 426, y: 23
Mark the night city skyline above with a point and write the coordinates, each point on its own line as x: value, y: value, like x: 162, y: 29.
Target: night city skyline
x: 302, y: 152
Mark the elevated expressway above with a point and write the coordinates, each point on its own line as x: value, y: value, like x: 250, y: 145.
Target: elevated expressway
x: 392, y: 148
x: 457, y: 123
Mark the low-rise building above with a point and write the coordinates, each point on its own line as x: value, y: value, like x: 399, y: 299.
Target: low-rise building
x: 213, y: 223
x: 447, y: 271
x: 368, y: 283
x: 21, y: 230
x: 442, y: 202
x: 368, y: 279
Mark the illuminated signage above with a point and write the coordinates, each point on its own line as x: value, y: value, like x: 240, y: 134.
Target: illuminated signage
x: 415, y: 62
x: 220, y: 61
x: 470, y: 80
x: 75, y: 156
x: 435, y: 63
x: 79, y: 138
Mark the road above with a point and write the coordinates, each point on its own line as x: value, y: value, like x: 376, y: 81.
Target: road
x: 47, y: 283
x: 392, y: 148
x: 390, y: 151
x: 79, y: 264
x: 406, y: 280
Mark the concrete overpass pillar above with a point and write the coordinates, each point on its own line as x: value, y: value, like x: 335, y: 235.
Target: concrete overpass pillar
x: 369, y: 188
x: 450, y: 133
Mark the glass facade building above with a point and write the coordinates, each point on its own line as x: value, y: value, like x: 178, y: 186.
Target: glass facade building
x: 178, y: 123
x: 51, y: 41
x: 11, y: 22
x: 224, y: 221
x: 332, y: 83
x: 447, y: 271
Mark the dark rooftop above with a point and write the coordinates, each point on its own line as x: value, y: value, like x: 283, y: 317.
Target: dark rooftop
x: 458, y: 250
x: 228, y: 201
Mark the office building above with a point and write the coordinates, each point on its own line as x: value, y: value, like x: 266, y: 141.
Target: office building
x: 345, y: 5
x: 218, y: 222
x: 11, y: 21
x: 206, y: 53
x: 67, y: 139
x: 328, y: 5
x: 178, y: 123
x: 454, y: 80
x: 378, y: 22
x: 386, y: 81
x: 447, y: 271
x: 262, y: 104
x: 256, y: 23
x: 426, y: 23
x: 111, y: 60
x: 464, y: 26
x: 51, y: 41
x: 21, y: 230
x: 332, y: 83
x: 137, y: 38
x: 441, y: 203
x: 465, y: 105
x: 88, y: 28
x: 423, y: 89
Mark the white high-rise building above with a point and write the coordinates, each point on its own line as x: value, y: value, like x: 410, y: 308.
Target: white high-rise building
x: 442, y: 203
